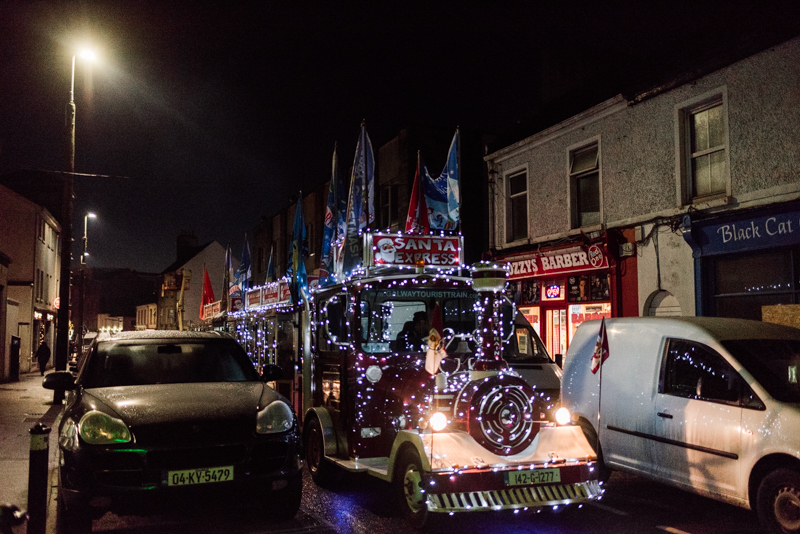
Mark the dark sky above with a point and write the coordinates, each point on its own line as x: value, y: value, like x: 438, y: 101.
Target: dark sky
x: 208, y: 115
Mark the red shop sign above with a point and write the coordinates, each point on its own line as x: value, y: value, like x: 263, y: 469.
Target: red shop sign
x: 571, y: 260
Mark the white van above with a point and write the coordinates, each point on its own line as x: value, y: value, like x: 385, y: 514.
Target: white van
x: 706, y: 404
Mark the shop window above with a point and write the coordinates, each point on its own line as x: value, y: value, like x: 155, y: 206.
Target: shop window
x: 694, y: 371
x: 702, y: 142
x: 744, y: 284
x: 584, y: 180
x: 517, y: 206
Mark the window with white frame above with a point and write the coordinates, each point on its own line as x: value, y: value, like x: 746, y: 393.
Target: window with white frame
x: 702, y: 141
x: 707, y: 151
x: 517, y: 206
x: 584, y: 175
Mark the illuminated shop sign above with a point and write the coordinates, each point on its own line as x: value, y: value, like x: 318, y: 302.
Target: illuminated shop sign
x: 553, y: 291
x: 571, y: 260
x: 406, y: 250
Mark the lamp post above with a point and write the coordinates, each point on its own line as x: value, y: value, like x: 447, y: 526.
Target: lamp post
x: 84, y: 259
x: 62, y: 336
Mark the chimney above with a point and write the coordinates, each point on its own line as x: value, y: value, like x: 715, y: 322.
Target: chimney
x: 187, y: 242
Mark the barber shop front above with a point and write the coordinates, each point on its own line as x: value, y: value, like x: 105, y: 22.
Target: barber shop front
x: 559, y: 289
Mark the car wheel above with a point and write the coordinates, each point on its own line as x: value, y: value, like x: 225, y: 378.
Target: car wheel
x: 286, y: 503
x: 604, y: 472
x: 408, y: 493
x: 778, y: 501
x: 72, y: 520
x: 322, y: 472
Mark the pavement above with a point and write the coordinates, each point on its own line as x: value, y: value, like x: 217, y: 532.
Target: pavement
x: 22, y: 405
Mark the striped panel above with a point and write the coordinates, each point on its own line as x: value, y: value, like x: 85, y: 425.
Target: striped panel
x: 514, y: 498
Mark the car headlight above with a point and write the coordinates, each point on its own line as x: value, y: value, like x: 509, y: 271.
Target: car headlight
x: 98, y: 428
x: 68, y: 439
x: 276, y: 417
x: 562, y: 416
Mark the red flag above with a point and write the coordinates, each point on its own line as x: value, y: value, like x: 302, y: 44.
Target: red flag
x: 417, y: 220
x: 208, y: 294
x: 600, y: 354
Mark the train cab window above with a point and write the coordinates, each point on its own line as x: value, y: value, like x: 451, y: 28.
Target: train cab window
x: 335, y: 329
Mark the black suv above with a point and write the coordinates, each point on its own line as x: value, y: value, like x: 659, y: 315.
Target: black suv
x: 154, y: 419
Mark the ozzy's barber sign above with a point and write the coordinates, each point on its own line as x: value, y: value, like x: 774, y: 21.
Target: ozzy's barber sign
x: 403, y: 250
x: 571, y: 260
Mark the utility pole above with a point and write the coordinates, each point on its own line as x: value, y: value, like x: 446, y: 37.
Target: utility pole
x: 62, y: 335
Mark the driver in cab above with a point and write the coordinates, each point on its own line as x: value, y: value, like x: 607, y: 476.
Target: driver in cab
x: 414, y: 335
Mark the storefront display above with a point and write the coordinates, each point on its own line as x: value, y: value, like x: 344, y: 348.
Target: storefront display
x: 559, y: 289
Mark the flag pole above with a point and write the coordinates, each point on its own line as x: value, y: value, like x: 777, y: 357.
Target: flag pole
x: 460, y: 182
x: 599, y: 396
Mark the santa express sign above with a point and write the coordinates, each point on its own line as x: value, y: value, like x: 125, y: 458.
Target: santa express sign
x: 571, y: 260
x: 406, y: 250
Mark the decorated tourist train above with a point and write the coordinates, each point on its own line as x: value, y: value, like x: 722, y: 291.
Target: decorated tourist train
x: 406, y: 380
x: 397, y: 360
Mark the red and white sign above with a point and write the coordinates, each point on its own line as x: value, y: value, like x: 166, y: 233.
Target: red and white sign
x: 571, y: 260
x: 276, y: 293
x: 253, y: 298
x: 406, y: 250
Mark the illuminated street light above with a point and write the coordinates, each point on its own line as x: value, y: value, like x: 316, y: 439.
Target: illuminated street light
x: 62, y: 337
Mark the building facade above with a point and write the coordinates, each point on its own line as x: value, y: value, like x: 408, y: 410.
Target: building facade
x: 185, y: 276
x: 29, y: 236
x: 147, y: 317
x: 678, y: 200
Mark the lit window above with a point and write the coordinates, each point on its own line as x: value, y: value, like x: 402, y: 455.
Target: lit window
x: 707, y: 142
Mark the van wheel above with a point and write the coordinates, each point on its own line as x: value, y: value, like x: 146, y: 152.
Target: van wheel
x: 408, y: 493
x: 778, y: 501
x: 603, y: 472
x: 322, y: 472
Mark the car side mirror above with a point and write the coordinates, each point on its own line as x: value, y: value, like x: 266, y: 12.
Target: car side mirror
x: 59, y: 380
x: 559, y: 360
x: 271, y: 372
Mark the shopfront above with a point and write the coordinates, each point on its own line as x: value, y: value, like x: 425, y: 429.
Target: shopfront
x: 559, y: 289
x: 747, y: 265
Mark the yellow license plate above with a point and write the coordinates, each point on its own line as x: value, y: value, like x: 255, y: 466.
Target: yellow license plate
x: 526, y: 477
x: 206, y: 475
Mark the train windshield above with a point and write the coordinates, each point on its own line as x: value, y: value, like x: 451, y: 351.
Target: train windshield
x: 399, y: 319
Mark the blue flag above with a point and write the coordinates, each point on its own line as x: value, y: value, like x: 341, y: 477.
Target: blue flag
x: 271, y: 276
x: 244, y: 268
x: 360, y: 206
x: 335, y: 225
x: 442, y: 194
x: 298, y: 278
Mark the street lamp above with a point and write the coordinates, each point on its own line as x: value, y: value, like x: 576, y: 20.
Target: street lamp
x: 62, y: 337
x: 84, y: 257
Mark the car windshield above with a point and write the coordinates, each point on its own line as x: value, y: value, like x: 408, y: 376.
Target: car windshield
x: 388, y: 314
x: 145, y: 362
x: 773, y: 363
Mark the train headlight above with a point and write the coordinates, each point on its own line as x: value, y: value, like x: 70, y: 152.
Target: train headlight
x: 562, y: 416
x: 438, y: 421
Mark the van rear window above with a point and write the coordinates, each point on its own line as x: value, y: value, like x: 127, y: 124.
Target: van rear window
x: 774, y: 363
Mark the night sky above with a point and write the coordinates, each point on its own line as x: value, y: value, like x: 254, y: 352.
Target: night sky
x: 206, y: 116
